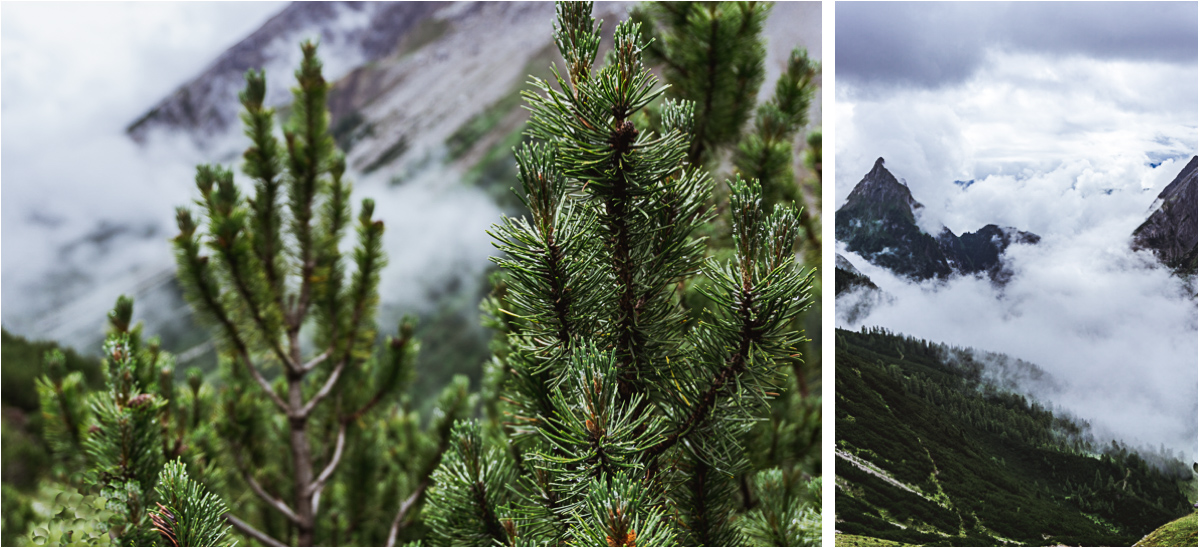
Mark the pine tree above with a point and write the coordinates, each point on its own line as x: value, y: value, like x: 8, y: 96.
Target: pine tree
x: 330, y: 448
x: 624, y: 413
x: 275, y: 273
x: 711, y: 53
x: 692, y: 39
x: 126, y: 441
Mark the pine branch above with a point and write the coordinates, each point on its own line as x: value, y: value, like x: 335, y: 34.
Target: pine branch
x: 228, y: 238
x: 244, y: 291
x: 365, y: 282
x: 263, y: 164
x: 198, y: 278
x: 191, y: 516
x: 736, y: 365
x: 469, y: 487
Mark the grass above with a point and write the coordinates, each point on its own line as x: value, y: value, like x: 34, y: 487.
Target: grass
x: 845, y: 540
x: 1178, y: 533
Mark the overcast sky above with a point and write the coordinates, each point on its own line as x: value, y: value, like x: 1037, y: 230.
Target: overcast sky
x: 1070, y: 117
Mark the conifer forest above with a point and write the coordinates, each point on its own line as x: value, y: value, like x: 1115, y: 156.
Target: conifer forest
x: 648, y: 374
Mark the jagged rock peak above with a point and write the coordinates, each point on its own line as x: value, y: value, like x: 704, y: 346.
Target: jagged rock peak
x: 880, y: 187
x: 1178, y: 186
x: 879, y: 223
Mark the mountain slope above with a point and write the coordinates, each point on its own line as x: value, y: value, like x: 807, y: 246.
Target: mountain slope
x: 879, y: 222
x: 847, y: 278
x: 1170, y: 231
x: 350, y: 33
x: 931, y: 453
x: 1177, y: 533
x: 856, y: 294
x: 425, y: 102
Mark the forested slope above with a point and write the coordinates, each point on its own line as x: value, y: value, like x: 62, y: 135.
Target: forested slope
x: 930, y: 453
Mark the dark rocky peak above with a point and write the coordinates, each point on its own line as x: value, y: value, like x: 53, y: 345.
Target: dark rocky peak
x: 878, y: 223
x: 880, y: 189
x: 841, y: 262
x: 1183, y: 187
x: 1003, y: 237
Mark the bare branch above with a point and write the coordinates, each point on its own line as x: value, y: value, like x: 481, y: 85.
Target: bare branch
x: 412, y: 500
x: 251, y: 531
x: 405, y: 507
x: 262, y: 382
x: 319, y: 484
x: 324, y: 391
x: 308, y: 366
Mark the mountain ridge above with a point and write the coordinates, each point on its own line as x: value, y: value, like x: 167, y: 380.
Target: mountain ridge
x: 879, y: 222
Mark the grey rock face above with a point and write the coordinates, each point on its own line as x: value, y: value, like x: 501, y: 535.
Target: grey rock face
x: 363, y: 31
x: 1170, y: 231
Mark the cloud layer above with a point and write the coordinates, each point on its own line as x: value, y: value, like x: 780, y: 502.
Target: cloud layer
x: 82, y: 204
x: 1069, y: 118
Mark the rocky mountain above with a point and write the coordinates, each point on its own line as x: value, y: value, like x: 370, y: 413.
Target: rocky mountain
x: 415, y: 84
x: 879, y: 222
x: 856, y: 294
x: 1170, y: 231
x: 350, y: 33
x: 848, y: 278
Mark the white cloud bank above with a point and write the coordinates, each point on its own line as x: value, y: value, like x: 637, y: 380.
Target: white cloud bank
x: 1115, y: 327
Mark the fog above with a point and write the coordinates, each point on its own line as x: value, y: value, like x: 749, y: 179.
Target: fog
x: 87, y: 214
x: 1112, y: 327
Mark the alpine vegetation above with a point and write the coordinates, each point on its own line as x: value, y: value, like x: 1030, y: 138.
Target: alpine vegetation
x: 622, y: 413
x: 120, y: 438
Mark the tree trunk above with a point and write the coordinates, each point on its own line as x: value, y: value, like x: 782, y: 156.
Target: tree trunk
x: 301, y: 464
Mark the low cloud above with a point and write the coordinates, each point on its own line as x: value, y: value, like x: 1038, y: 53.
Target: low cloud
x: 1115, y: 328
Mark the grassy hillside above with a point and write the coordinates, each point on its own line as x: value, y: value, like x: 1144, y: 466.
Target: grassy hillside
x: 930, y: 454
x: 1177, y: 533
x: 843, y: 540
